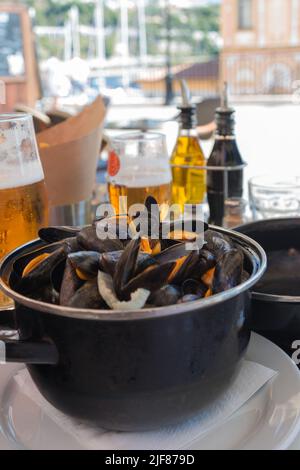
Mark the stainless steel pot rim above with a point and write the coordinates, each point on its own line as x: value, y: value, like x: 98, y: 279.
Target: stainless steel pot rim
x: 261, y: 296
x: 144, y: 314
x: 262, y: 222
x: 287, y: 299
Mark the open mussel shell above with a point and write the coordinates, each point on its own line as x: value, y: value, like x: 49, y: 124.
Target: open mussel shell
x: 108, y: 262
x: 56, y: 234
x: 125, y: 267
x: 68, y: 284
x: 206, y: 261
x: 151, y: 279
x: 88, y: 240
x: 65, y: 235
x: 85, y: 263
x: 217, y: 243
x: 228, y: 271
x: 184, y: 267
x: 22, y: 261
x: 172, y: 253
x: 144, y: 261
x: 136, y: 301
x: 87, y: 296
x: 40, y: 274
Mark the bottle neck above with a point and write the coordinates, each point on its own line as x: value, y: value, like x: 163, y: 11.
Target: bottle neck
x: 187, y: 118
x: 225, y: 124
x: 183, y: 132
x: 219, y: 136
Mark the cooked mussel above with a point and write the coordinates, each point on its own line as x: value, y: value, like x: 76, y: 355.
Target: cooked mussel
x: 228, y: 272
x: 108, y: 261
x: 87, y: 296
x: 88, y: 240
x: 194, y: 287
x: 129, y: 276
x: 217, y: 243
x: 79, y: 269
x: 126, y: 266
x: 167, y: 295
x: 184, y: 267
x: 38, y: 270
x: 172, y: 253
x: 150, y: 279
x: 70, y: 282
x: 56, y: 234
x: 85, y: 263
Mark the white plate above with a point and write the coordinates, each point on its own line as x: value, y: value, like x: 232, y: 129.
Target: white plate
x: 270, y: 420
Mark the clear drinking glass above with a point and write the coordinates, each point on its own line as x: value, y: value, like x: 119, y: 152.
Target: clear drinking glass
x: 274, y: 197
x: 138, y: 167
x: 23, y: 198
x: 234, y: 212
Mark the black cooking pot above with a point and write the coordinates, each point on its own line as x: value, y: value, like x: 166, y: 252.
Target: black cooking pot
x: 275, y: 302
x: 135, y: 370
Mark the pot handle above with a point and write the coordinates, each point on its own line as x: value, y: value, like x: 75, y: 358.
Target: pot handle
x: 7, y: 319
x: 39, y: 352
x: 42, y: 352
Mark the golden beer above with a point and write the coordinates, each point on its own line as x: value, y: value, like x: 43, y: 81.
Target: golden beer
x: 23, y: 198
x: 138, y: 167
x: 23, y: 211
x: 138, y: 195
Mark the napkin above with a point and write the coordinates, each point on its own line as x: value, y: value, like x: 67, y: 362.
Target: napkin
x: 250, y: 380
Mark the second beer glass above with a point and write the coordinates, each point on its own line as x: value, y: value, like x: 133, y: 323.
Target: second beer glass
x: 138, y: 167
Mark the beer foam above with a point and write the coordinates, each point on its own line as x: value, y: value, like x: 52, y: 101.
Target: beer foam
x: 150, y: 173
x: 11, y: 176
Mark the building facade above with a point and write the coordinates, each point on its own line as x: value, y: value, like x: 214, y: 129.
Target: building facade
x: 261, y: 52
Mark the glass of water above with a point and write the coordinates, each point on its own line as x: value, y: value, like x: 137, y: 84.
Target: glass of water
x: 274, y: 197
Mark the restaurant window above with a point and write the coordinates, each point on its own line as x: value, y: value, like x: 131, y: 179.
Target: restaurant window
x: 245, y: 20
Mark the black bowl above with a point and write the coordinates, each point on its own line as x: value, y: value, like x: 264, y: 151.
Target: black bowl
x: 134, y: 370
x: 276, y: 298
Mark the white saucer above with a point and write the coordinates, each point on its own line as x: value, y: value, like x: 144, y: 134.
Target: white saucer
x: 270, y: 420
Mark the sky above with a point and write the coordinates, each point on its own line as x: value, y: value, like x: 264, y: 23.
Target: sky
x: 195, y: 3
x: 177, y: 3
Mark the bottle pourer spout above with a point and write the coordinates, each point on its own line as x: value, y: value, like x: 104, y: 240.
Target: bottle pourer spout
x: 224, y: 96
x: 185, y: 94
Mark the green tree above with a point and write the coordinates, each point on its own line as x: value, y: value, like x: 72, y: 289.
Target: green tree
x: 185, y: 23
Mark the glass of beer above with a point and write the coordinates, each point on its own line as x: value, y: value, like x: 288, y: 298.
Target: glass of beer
x: 23, y: 198
x: 138, y: 167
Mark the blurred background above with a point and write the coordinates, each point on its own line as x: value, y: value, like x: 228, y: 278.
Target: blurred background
x: 61, y: 54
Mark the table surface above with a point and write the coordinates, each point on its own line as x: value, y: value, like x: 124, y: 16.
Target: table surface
x: 296, y: 445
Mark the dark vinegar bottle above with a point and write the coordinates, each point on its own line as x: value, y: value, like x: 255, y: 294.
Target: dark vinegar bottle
x: 225, y: 153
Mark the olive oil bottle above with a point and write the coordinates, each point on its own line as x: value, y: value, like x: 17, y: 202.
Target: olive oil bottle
x: 225, y: 153
x: 189, y: 184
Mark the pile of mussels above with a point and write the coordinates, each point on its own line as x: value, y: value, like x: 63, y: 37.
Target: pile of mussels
x: 77, y: 269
